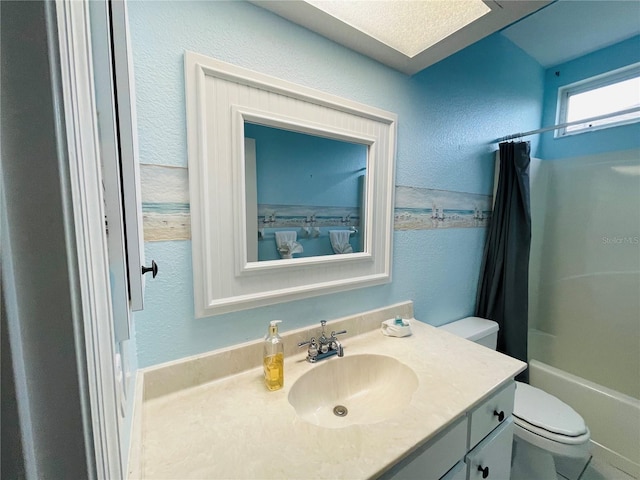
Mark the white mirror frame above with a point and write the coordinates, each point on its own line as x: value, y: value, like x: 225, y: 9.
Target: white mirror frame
x: 220, y: 97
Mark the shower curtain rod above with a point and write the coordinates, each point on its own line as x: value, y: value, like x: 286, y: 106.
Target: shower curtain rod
x: 568, y: 124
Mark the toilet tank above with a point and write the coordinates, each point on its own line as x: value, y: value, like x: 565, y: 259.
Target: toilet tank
x: 476, y: 329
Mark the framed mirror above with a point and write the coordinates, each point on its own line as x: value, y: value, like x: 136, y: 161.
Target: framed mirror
x: 276, y: 170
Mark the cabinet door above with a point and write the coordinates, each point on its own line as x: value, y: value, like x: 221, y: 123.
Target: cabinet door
x: 115, y: 103
x: 433, y: 460
x: 459, y: 472
x: 491, y: 459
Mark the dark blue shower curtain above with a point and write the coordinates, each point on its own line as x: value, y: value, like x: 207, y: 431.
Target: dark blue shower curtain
x: 503, y: 290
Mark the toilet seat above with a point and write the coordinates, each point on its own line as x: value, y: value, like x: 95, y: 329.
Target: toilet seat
x: 555, y: 437
x: 547, y: 415
x: 548, y: 423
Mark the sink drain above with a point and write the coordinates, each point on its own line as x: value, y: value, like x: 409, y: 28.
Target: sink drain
x: 340, y: 411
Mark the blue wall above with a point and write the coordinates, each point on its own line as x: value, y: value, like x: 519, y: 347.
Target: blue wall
x: 449, y: 115
x: 623, y: 137
x: 299, y: 169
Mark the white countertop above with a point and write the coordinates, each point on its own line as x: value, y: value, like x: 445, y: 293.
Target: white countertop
x: 234, y: 427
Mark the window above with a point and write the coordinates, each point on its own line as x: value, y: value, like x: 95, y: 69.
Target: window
x: 606, y: 94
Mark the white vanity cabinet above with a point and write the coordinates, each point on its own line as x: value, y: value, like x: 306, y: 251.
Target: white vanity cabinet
x: 491, y: 437
x: 477, y: 446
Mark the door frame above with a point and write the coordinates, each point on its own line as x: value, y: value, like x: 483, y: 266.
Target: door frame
x: 85, y: 209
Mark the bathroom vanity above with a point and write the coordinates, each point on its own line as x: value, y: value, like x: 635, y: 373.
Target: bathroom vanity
x: 450, y: 417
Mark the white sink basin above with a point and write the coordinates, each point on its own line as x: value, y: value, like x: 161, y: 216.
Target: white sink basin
x: 372, y: 388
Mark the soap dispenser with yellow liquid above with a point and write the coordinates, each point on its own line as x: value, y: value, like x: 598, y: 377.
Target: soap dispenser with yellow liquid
x: 273, y: 358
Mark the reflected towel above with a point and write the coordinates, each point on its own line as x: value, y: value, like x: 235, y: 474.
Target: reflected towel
x: 287, y: 244
x: 340, y: 241
x: 305, y: 232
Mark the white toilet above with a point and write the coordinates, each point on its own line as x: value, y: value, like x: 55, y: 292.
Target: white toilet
x: 544, y: 425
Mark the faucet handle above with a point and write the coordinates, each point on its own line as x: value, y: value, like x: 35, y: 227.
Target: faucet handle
x: 312, y: 341
x: 334, y: 333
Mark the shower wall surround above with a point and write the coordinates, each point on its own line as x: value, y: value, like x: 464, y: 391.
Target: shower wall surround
x: 586, y: 254
x: 448, y: 116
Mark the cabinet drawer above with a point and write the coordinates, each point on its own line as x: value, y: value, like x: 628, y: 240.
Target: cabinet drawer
x: 487, y: 416
x: 435, y: 458
x: 491, y: 459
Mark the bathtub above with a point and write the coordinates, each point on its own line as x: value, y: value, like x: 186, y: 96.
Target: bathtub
x: 612, y: 417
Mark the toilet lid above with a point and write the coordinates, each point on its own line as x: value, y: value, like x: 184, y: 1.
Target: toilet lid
x: 547, y: 412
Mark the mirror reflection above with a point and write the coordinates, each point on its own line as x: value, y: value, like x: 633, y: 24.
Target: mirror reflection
x: 304, y: 194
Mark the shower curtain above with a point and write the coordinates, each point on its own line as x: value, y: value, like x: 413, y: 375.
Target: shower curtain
x: 504, y: 277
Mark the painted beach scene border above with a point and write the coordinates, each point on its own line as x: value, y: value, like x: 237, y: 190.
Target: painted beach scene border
x: 166, y: 215
x: 425, y: 208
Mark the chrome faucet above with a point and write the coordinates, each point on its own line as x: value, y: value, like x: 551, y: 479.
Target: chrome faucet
x: 325, y: 346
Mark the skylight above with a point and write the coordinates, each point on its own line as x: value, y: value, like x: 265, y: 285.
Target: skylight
x: 408, y: 26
